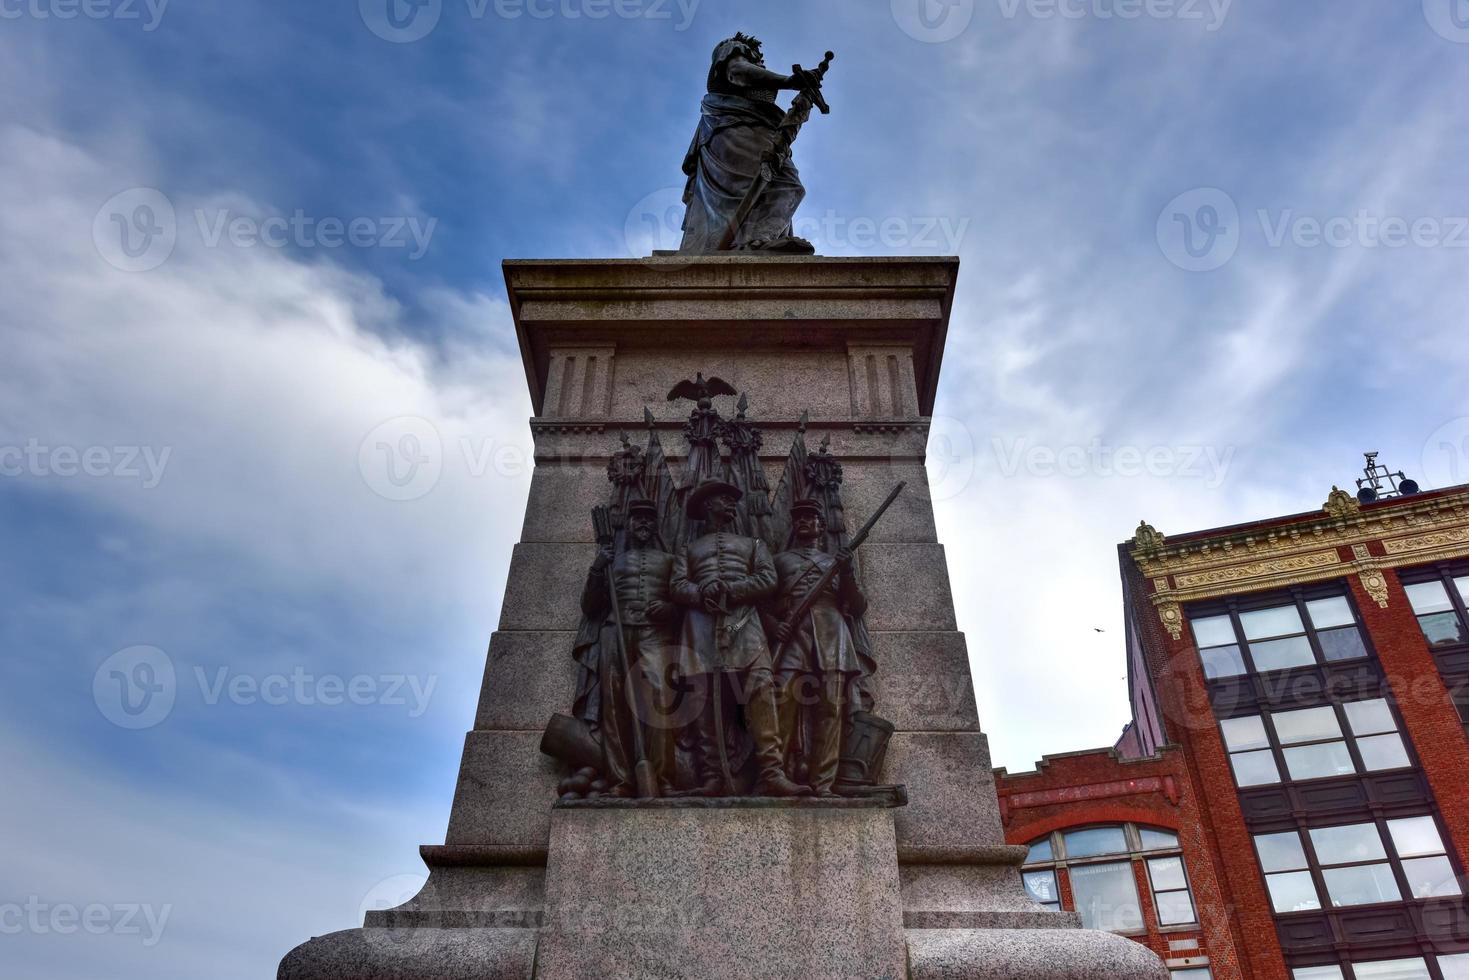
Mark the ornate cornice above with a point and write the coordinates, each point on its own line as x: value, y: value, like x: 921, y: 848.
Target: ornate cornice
x: 1310, y: 548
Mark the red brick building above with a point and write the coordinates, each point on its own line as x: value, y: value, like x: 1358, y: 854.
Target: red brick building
x: 1291, y: 800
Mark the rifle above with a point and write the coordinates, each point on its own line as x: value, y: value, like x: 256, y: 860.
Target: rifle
x: 785, y: 135
x: 642, y: 768
x: 809, y: 599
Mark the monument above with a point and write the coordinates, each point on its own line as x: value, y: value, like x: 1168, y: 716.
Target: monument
x: 727, y: 730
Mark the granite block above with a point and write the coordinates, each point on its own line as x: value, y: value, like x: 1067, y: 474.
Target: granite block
x: 543, y: 591
x: 529, y: 676
x: 923, y: 682
x: 907, y: 587
x: 505, y: 790
x: 414, y: 954
x: 1028, y: 954
x: 951, y: 790
x: 722, y: 894
x: 866, y: 484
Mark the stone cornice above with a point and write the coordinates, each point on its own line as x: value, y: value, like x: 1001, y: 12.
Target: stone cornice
x: 1331, y: 543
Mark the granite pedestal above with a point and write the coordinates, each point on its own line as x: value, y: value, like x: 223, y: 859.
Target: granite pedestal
x: 714, y: 892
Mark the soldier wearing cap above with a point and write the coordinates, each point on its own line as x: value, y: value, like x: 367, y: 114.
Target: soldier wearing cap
x: 720, y: 579
x: 816, y: 657
x: 635, y: 673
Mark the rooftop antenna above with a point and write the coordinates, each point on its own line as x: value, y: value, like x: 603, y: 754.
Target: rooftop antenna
x: 1380, y: 483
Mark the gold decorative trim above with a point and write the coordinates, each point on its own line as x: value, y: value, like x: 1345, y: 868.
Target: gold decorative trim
x: 1259, y: 569
x: 1308, y: 548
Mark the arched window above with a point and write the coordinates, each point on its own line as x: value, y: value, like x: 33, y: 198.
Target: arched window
x: 1103, y: 865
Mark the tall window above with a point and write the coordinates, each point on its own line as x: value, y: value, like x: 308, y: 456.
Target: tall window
x: 1449, y: 966
x: 1356, y: 864
x: 1290, y: 633
x: 1314, y: 743
x: 1101, y: 864
x: 1439, y: 604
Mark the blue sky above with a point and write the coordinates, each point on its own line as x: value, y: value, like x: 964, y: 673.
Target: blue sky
x: 1210, y: 254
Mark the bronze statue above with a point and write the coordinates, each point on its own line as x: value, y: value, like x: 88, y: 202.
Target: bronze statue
x: 816, y: 657
x: 637, y: 616
x: 743, y: 189
x: 705, y: 667
x: 721, y: 578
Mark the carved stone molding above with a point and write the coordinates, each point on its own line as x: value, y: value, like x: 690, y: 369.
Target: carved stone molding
x: 1308, y: 548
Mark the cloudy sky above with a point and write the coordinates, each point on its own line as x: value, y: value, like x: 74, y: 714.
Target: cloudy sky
x: 1211, y: 252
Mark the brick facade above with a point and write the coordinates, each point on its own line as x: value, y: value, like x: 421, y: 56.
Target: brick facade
x: 1171, y: 768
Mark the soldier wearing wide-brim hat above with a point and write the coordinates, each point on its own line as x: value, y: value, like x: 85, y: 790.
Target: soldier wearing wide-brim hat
x: 720, y: 578
x: 816, y: 657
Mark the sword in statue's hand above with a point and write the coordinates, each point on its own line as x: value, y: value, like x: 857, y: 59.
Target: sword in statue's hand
x: 785, y: 134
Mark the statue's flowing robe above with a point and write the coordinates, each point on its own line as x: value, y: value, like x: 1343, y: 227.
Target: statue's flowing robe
x: 736, y: 127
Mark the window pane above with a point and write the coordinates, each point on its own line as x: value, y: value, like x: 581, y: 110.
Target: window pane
x: 1428, y: 597
x: 1383, y: 752
x: 1293, y: 651
x: 1192, y: 973
x: 1414, y: 969
x: 1335, y: 611
x: 1244, y: 733
x: 1040, y: 851
x: 1430, y: 877
x: 1222, y: 662
x: 1307, y: 725
x: 1212, y: 631
x: 1343, y: 845
x: 1342, y: 644
x: 1415, y: 836
x: 1106, y: 896
x: 1174, y: 908
x: 1094, y: 841
x: 1320, y: 761
x: 1293, y: 891
x: 1370, y: 717
x: 1317, y: 973
x: 1462, y: 583
x: 1254, y: 768
x: 1041, y: 887
x: 1441, y: 629
x: 1157, y: 840
x: 1278, y: 621
x: 1365, y: 884
x: 1454, y: 967
x: 1280, y: 852
x: 1167, y: 873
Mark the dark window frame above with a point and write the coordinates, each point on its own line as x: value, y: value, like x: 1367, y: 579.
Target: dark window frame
x: 1299, y: 595
x: 1444, y: 573
x: 1135, y: 853
x: 1348, y: 736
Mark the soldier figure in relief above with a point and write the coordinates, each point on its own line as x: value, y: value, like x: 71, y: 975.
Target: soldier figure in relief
x: 641, y: 576
x: 721, y: 579
x: 816, y: 657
